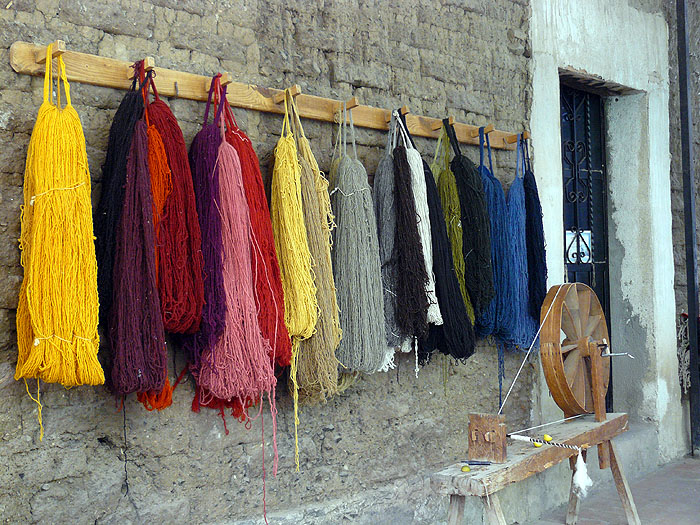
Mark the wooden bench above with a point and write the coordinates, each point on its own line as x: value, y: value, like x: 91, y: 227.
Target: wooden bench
x: 524, y: 460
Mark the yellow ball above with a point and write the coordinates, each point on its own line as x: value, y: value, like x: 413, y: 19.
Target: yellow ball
x: 466, y: 468
x: 537, y: 445
x: 547, y: 438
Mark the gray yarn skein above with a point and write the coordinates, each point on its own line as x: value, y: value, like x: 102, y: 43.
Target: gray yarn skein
x: 356, y: 264
x: 385, y: 215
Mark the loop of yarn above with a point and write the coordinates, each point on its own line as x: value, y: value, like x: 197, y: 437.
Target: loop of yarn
x: 300, y: 306
x: 385, y: 214
x: 449, y: 199
x: 524, y: 325
x: 534, y: 233
x: 109, y: 208
x: 57, y: 232
x: 136, y: 326
x: 205, y: 178
x: 476, y: 228
x: 498, y: 318
x: 179, y: 237
x: 423, y: 219
x: 266, y: 270
x: 356, y: 265
x: 411, y: 298
x: 317, y: 366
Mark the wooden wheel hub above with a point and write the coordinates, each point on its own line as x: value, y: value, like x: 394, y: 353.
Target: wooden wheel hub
x: 573, y: 336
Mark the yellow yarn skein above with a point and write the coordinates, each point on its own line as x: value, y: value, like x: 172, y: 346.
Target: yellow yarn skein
x: 447, y: 189
x: 291, y: 243
x: 57, y: 313
x: 317, y: 365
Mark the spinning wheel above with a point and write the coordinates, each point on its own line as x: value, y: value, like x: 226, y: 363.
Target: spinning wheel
x: 573, y: 337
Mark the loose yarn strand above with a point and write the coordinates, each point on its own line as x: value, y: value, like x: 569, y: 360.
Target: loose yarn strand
x: 57, y: 312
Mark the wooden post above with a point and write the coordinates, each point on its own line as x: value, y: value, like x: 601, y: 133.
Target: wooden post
x: 493, y: 513
x: 598, y: 398
x: 455, y: 514
x: 623, y: 489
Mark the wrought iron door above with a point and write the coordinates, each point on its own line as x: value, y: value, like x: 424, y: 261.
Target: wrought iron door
x: 585, y: 195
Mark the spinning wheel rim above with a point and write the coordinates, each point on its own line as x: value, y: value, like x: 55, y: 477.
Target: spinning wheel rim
x: 575, y: 321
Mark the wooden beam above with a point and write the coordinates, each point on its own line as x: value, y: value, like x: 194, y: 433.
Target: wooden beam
x: 112, y: 73
x: 57, y: 49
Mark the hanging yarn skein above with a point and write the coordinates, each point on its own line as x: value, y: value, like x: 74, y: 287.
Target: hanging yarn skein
x: 385, y: 213
x: 455, y: 337
x: 266, y: 270
x: 109, y: 208
x: 356, y: 264
x: 161, y: 188
x: 449, y: 199
x: 423, y: 217
x: 291, y: 242
x: 136, y: 324
x: 524, y: 325
x: 411, y: 298
x: 498, y: 318
x: 205, y: 177
x: 238, y: 364
x: 317, y: 366
x: 476, y: 228
x: 534, y: 233
x: 57, y: 313
x: 180, y: 281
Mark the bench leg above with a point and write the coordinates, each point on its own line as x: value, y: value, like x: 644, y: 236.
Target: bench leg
x: 493, y: 514
x: 455, y: 514
x: 574, y: 500
x: 623, y: 488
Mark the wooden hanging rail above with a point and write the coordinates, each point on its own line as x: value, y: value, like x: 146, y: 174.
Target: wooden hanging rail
x: 113, y: 73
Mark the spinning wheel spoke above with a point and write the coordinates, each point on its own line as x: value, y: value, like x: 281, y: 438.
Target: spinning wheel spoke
x: 579, y: 384
x: 584, y: 305
x: 568, y: 324
x: 571, y: 365
x: 568, y: 347
x: 593, y: 322
x: 571, y: 304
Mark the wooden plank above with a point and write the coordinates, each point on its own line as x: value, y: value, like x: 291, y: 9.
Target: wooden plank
x: 455, y: 513
x: 598, y: 399
x: 112, y: 73
x: 487, y: 437
x: 524, y: 460
x: 623, y: 488
x: 493, y: 513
